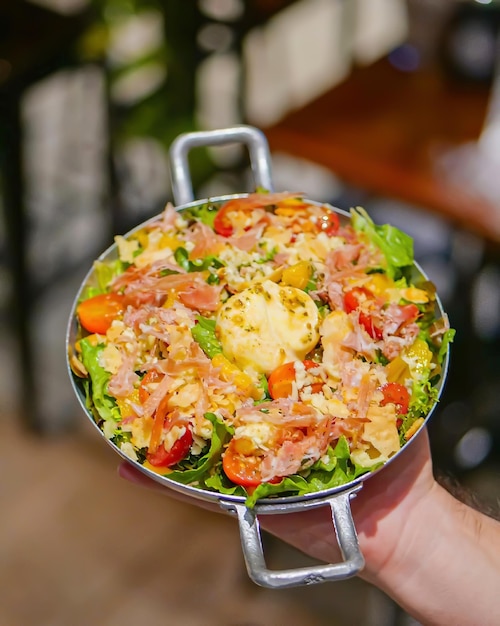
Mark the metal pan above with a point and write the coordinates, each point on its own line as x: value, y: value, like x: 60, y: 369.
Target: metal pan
x: 337, y: 499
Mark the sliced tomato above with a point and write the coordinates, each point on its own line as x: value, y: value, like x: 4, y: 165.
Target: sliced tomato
x: 240, y: 469
x: 281, y: 379
x: 244, y: 470
x: 152, y: 376
x: 96, y: 314
x: 167, y: 458
x: 222, y: 223
x: 397, y: 394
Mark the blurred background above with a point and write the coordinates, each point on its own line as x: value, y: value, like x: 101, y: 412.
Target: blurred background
x: 389, y: 104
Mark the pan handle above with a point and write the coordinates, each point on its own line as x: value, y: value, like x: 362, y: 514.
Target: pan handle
x: 253, y: 138
x: 343, y: 523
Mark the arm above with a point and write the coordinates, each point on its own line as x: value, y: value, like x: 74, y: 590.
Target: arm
x: 436, y: 557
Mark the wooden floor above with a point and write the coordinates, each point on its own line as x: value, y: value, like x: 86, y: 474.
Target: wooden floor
x: 80, y: 546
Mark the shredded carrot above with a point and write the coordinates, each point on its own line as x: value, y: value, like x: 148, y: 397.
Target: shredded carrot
x: 158, y: 422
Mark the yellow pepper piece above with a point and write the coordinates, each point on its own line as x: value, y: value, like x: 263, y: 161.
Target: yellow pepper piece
x: 231, y: 373
x: 169, y: 302
x: 142, y: 237
x: 397, y: 371
x: 169, y: 241
x: 297, y: 275
x: 379, y: 284
x: 418, y: 356
x: 412, y: 294
x: 124, y: 404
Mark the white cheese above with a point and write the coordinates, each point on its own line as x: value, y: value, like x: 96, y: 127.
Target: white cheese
x: 260, y: 433
x: 267, y: 325
x: 110, y: 358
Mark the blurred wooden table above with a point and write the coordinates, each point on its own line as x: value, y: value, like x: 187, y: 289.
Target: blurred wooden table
x: 383, y: 130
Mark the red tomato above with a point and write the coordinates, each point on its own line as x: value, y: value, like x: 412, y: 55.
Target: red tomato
x: 222, y: 224
x: 240, y: 469
x: 243, y: 469
x: 96, y: 314
x: 152, y: 376
x: 280, y: 380
x: 398, y: 395
x: 315, y: 387
x: 329, y: 223
x: 371, y: 328
x: 353, y: 299
x: 180, y: 449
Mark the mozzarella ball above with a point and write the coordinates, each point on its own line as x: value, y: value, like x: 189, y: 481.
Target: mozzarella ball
x: 267, y: 325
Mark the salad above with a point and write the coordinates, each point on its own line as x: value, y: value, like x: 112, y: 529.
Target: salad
x: 260, y: 346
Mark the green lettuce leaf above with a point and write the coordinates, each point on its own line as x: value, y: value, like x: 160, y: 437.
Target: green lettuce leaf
x: 204, y: 334
x: 396, y: 245
x: 106, y: 272
x: 181, y: 256
x: 104, y: 404
x: 290, y: 485
x: 201, y: 466
x: 218, y: 481
x: 203, y: 213
x: 448, y: 338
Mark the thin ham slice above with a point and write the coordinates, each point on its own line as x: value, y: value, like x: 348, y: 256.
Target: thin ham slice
x: 201, y: 296
x: 206, y: 241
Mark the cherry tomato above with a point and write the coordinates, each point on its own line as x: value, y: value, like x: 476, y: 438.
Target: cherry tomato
x: 152, y: 376
x: 243, y: 469
x: 329, y: 223
x: 280, y: 380
x: 315, y: 387
x: 222, y: 224
x: 371, y: 328
x: 240, y: 469
x: 96, y: 314
x: 398, y: 395
x: 180, y: 449
x: 355, y: 297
